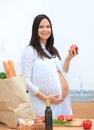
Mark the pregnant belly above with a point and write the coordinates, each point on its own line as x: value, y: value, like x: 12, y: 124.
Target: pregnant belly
x: 64, y: 85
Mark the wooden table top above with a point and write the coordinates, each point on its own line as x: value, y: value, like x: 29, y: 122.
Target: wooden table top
x: 3, y: 127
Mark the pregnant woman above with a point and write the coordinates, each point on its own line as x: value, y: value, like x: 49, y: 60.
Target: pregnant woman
x: 45, y: 71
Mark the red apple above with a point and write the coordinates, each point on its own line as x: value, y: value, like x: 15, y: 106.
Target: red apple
x: 38, y: 121
x: 42, y: 118
x: 74, y: 47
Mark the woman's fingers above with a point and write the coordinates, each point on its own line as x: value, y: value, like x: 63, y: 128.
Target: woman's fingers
x: 55, y: 99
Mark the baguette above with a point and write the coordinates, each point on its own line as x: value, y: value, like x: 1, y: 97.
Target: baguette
x: 10, y: 62
x: 9, y: 69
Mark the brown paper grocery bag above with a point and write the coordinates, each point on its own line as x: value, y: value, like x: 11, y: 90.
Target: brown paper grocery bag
x: 14, y: 102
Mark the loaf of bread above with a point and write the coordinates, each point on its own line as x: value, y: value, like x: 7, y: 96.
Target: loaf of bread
x: 9, y: 69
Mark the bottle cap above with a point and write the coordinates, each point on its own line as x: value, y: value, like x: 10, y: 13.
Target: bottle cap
x: 48, y: 103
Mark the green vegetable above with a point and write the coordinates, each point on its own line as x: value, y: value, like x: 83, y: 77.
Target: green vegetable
x: 2, y: 75
x: 61, y: 123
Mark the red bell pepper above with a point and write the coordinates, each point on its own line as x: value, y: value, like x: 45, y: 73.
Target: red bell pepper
x: 87, y: 124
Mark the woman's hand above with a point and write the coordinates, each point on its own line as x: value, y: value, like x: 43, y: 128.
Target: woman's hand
x: 72, y: 54
x: 73, y: 51
x: 55, y: 99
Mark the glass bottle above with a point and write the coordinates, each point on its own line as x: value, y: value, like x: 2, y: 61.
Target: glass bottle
x: 48, y: 117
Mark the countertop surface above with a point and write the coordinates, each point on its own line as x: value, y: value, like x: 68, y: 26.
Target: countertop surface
x: 78, y: 127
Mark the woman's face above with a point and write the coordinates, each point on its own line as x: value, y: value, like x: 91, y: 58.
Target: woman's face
x: 44, y: 31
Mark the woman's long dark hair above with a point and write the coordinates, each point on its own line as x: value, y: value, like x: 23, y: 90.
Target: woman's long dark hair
x: 34, y: 41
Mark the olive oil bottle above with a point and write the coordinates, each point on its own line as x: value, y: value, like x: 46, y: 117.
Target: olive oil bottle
x: 48, y: 117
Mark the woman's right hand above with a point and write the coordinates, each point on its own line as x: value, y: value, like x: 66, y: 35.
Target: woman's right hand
x: 55, y: 99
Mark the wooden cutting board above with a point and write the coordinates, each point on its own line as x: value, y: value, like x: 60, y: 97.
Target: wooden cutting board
x: 74, y: 123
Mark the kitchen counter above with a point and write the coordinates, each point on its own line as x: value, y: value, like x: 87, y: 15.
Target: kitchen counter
x: 83, y: 110
x: 3, y: 127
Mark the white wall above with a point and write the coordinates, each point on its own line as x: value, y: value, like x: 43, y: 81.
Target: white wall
x: 73, y: 22
x: 15, y: 26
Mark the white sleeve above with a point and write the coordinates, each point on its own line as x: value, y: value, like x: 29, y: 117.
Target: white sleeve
x: 61, y: 63
x: 27, y: 60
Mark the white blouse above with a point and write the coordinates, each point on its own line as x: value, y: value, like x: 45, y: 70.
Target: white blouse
x: 41, y: 75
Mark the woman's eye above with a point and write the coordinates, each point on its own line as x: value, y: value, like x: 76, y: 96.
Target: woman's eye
x: 45, y: 27
x: 48, y: 26
x: 40, y: 26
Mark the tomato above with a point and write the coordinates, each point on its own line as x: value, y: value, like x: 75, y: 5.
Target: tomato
x: 69, y: 117
x: 60, y: 118
x: 87, y: 124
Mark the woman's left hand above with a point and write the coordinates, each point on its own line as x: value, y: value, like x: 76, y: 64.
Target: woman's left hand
x: 72, y: 53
